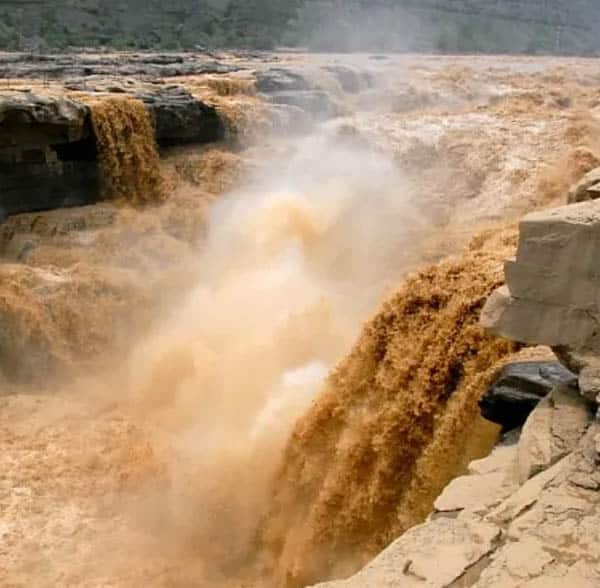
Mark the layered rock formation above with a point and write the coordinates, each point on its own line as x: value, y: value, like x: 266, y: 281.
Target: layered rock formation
x: 551, y: 297
x: 49, y: 148
x: 47, y: 154
x: 179, y: 118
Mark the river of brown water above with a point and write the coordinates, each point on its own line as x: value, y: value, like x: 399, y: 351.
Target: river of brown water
x: 192, y: 397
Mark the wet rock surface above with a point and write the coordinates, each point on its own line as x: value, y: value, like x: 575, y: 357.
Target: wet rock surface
x: 179, y: 118
x: 48, y: 148
x: 551, y: 296
x: 47, y: 154
x: 277, y: 79
x: 518, y: 390
x: 317, y: 105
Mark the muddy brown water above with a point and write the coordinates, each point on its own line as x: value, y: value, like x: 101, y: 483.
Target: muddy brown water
x: 194, y: 436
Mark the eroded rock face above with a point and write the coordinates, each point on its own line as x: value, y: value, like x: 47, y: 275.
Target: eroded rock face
x: 453, y: 546
x: 519, y: 388
x: 316, y: 104
x: 179, y: 118
x: 552, y: 296
x: 47, y: 154
x: 48, y: 150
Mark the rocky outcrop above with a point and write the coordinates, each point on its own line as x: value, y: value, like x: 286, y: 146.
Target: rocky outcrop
x: 47, y: 154
x: 315, y: 104
x: 48, y: 150
x: 289, y: 89
x: 552, y: 432
x: 507, y: 523
x: 277, y: 79
x: 454, y: 546
x: 519, y: 388
x: 179, y: 118
x: 552, y: 296
x: 350, y: 80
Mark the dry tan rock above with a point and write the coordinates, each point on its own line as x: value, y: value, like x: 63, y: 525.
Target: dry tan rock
x: 470, y: 492
x: 552, y: 296
x: 435, y: 554
x: 490, y: 481
x: 502, y: 459
x: 552, y: 431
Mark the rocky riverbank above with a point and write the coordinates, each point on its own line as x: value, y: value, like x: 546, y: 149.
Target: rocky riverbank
x: 48, y: 144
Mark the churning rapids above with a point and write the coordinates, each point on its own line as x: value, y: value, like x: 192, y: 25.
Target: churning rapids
x: 257, y: 364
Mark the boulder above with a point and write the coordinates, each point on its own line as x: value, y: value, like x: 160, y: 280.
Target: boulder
x: 349, y: 79
x: 552, y: 296
x: 519, y: 388
x: 179, y: 118
x: 552, y: 432
x: 317, y: 104
x: 276, y: 79
x: 588, y: 188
